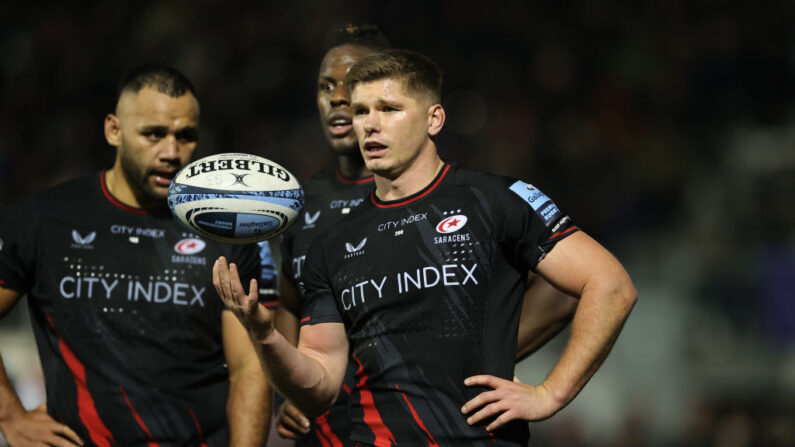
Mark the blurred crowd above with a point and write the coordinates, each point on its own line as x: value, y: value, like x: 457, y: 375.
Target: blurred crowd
x: 666, y: 129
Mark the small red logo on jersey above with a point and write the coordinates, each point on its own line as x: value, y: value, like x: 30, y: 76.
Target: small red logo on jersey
x: 189, y: 246
x: 451, y: 224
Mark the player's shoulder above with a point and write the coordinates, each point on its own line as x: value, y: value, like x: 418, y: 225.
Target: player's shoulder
x: 477, y: 179
x: 321, y: 178
x: 65, y: 194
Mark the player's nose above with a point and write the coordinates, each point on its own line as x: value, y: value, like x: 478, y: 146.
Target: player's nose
x: 169, y: 148
x: 341, y: 96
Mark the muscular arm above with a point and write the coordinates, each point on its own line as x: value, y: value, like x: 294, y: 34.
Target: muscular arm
x: 584, y: 268
x: 248, y: 407
x: 290, y: 422
x: 581, y: 267
x: 545, y: 312
x: 21, y: 427
x: 309, y: 376
x: 286, y: 314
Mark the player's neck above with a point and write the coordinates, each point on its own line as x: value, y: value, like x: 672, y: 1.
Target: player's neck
x: 419, y: 174
x: 351, y: 166
x: 119, y: 188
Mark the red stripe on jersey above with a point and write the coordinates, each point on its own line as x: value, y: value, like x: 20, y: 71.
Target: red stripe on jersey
x: 321, y: 439
x: 431, y: 441
x: 412, y: 199
x: 198, y: 428
x: 352, y: 181
x: 346, y: 388
x: 114, y: 200
x: 322, y: 423
x: 269, y: 304
x: 138, y: 419
x: 383, y: 437
x: 561, y: 233
x: 86, y: 410
x: 305, y: 319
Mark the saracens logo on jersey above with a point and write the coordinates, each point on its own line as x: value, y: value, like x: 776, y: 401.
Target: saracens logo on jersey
x: 189, y: 246
x: 451, y: 224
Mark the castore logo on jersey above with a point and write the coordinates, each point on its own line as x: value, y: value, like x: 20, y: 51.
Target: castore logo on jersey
x: 310, y: 219
x: 189, y: 246
x: 83, y: 242
x: 355, y: 251
x: 451, y: 224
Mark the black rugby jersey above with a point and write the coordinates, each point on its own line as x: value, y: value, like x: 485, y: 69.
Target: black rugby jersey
x: 430, y: 290
x: 329, y: 198
x: 126, y: 319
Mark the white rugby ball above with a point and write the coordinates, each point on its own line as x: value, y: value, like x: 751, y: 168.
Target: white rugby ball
x: 235, y: 198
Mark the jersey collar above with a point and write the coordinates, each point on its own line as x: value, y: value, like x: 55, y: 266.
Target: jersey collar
x: 114, y: 200
x: 414, y: 197
x: 353, y: 181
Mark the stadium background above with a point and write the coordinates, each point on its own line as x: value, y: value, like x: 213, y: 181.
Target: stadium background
x: 666, y: 129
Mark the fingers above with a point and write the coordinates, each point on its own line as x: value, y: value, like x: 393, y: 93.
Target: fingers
x: 478, y: 401
x: 226, y: 280
x: 484, y: 380
x: 486, y: 412
x: 291, y: 423
x: 67, y: 432
x: 301, y: 422
x: 59, y: 441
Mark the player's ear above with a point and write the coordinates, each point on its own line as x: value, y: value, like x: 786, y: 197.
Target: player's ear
x: 436, y: 118
x: 112, y: 130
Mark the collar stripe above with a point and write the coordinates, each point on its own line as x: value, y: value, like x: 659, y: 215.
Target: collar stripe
x: 433, y: 186
x: 114, y: 200
x: 353, y: 181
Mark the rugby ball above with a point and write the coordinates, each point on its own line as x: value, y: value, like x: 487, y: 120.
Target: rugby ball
x: 235, y: 198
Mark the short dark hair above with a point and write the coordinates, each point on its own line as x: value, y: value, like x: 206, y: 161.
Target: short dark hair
x: 364, y: 35
x: 418, y: 72
x: 165, y: 79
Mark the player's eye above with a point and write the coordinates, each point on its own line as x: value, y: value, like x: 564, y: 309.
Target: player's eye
x: 187, y: 136
x: 325, y: 87
x: 154, y: 134
x: 360, y: 111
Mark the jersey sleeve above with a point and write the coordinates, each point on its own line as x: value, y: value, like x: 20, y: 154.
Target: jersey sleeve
x: 532, y: 224
x: 251, y: 262
x: 286, y: 250
x: 319, y: 305
x: 17, y: 248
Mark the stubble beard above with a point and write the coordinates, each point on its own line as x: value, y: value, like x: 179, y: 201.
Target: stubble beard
x: 137, y: 177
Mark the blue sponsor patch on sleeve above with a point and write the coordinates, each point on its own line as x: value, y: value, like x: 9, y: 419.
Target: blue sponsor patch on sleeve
x: 543, y: 206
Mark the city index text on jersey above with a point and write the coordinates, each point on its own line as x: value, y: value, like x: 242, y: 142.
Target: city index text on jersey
x: 447, y: 275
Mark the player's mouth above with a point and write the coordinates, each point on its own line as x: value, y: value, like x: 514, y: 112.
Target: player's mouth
x: 163, y: 178
x: 339, y: 124
x: 375, y: 149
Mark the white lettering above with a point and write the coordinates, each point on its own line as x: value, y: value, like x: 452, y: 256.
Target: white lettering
x: 197, y: 296
x: 446, y: 275
x: 179, y: 292
x: 379, y: 286
x: 162, y: 286
x: 109, y: 288
x: 63, y: 291
x: 425, y: 281
x: 469, y: 274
